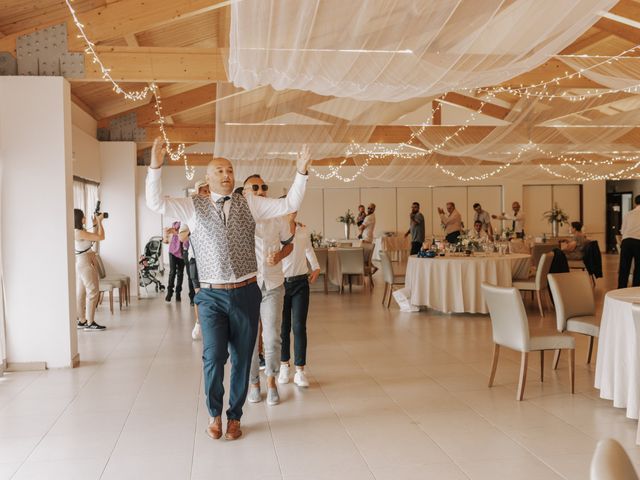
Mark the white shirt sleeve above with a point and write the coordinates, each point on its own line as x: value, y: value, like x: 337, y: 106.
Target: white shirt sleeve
x: 285, y: 230
x: 181, y: 208
x: 263, y: 208
x: 311, y: 254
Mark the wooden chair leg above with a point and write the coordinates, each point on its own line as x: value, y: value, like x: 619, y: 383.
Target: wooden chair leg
x: 524, y: 362
x: 494, y: 363
x: 384, y: 295
x: 540, y: 303
x: 572, y: 367
x: 326, y: 284
x: 120, y: 296
x: 556, y: 359
x: 390, y: 295
x: 542, y: 365
x: 111, y: 301
x: 590, y: 349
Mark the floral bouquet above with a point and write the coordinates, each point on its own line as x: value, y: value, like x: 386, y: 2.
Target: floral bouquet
x: 556, y: 215
x: 347, y: 218
x: 465, y: 243
x: 316, y: 239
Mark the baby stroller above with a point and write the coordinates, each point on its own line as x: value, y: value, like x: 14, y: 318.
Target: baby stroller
x: 149, y: 263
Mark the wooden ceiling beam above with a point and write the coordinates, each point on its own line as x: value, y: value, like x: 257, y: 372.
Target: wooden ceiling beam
x: 489, y: 109
x: 118, y: 19
x: 585, y: 41
x: 548, y: 71
x: 158, y: 64
x: 146, y: 114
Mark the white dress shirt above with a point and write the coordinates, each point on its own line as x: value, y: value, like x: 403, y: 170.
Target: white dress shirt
x: 270, y: 236
x: 452, y: 222
x: 517, y: 221
x: 261, y: 208
x: 296, y: 263
x: 631, y: 224
x: 369, y: 227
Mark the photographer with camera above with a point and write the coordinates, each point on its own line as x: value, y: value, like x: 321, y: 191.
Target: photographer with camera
x: 87, y: 279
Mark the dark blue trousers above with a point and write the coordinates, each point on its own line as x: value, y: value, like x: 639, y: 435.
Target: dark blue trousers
x: 229, y: 323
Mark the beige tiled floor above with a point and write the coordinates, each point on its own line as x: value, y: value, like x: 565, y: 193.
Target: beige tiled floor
x: 393, y: 396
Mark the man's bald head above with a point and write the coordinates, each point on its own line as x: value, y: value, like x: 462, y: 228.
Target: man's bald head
x: 220, y: 176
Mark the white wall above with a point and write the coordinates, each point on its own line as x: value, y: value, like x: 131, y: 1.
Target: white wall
x: 86, y: 155
x: 36, y: 216
x: 327, y: 199
x: 118, y: 196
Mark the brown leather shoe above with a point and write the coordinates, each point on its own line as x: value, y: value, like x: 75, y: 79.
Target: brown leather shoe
x: 214, y: 430
x: 233, y: 430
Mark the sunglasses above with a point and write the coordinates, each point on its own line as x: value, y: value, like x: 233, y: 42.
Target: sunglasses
x: 255, y: 188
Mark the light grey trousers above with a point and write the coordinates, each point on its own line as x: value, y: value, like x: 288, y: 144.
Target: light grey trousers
x: 87, y: 287
x: 271, y: 318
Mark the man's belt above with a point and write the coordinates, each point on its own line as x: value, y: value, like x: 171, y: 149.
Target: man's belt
x: 228, y: 286
x: 296, y: 278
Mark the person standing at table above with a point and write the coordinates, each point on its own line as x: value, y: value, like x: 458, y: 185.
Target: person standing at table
x: 416, y: 228
x: 451, y: 221
x: 630, y: 247
x: 516, y: 219
x: 296, y: 302
x: 223, y: 236
x: 483, y: 217
x: 367, y: 229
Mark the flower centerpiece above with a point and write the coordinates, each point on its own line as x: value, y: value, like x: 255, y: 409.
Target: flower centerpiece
x: 348, y: 219
x: 556, y: 217
x: 316, y: 239
x: 467, y: 244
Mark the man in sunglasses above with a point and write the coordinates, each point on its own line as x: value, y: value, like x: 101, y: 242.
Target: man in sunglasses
x: 223, y: 236
x: 273, y: 243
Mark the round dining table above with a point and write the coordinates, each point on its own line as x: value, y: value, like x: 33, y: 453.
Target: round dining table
x: 618, y: 361
x: 451, y: 284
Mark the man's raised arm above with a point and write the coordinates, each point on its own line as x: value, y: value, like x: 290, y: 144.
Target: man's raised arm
x: 181, y: 208
x: 263, y: 208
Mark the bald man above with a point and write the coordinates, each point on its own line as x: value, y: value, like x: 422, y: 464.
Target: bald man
x: 223, y: 238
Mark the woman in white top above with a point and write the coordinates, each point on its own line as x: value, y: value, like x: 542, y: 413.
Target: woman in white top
x: 87, y: 280
x: 296, y: 302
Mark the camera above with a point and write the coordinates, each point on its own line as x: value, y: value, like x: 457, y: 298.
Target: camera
x: 97, y: 212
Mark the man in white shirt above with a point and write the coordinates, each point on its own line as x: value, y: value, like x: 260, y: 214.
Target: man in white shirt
x: 273, y: 243
x: 515, y: 220
x: 223, y: 237
x: 452, y: 222
x: 368, y: 226
x: 296, y: 302
x: 483, y: 217
x: 630, y: 247
x: 478, y: 232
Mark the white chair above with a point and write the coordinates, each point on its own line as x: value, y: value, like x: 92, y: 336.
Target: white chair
x: 390, y: 278
x: 119, y: 281
x: 351, y: 263
x: 510, y: 328
x: 369, y: 268
x: 322, y: 254
x: 611, y: 462
x: 575, y: 306
x: 538, y: 283
x: 538, y: 249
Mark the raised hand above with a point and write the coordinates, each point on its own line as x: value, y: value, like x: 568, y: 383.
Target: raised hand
x: 304, y: 160
x: 157, y: 153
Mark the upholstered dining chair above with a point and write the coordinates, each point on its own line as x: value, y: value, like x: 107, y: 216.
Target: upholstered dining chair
x: 351, y: 263
x: 575, y: 306
x: 537, y: 283
x: 119, y: 281
x: 390, y: 278
x: 322, y: 254
x: 611, y: 462
x: 369, y: 268
x: 510, y: 328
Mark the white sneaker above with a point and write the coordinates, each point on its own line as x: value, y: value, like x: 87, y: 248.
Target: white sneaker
x: 300, y: 379
x: 283, y: 377
x: 195, y: 333
x: 254, y: 395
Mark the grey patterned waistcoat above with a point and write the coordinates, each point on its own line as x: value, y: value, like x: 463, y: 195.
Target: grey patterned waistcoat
x: 223, y: 250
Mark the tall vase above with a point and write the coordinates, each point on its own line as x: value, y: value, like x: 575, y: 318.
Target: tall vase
x: 347, y: 230
x: 554, y: 228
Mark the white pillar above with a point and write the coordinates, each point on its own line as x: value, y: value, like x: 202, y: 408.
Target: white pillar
x: 37, y: 222
x: 119, y: 250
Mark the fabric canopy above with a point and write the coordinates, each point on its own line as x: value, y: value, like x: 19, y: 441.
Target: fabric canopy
x: 393, y: 50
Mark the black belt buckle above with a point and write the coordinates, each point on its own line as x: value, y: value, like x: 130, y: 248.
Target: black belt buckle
x: 296, y: 278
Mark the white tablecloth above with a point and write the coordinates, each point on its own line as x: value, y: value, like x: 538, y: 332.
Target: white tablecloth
x: 452, y: 284
x: 618, y: 361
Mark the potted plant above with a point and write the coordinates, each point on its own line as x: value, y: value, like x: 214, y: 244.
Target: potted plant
x: 557, y: 218
x: 348, y: 219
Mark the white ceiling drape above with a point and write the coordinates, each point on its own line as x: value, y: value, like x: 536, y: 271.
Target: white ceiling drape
x: 393, y: 50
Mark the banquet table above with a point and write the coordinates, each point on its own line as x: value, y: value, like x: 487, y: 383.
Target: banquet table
x: 394, y: 244
x: 451, y: 284
x: 618, y: 361
x: 334, y: 272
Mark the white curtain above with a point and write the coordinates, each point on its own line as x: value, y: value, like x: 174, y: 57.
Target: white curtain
x: 393, y: 50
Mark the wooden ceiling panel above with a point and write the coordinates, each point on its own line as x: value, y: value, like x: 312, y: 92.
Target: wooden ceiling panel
x: 18, y: 15
x: 205, y: 114
x: 196, y: 31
